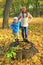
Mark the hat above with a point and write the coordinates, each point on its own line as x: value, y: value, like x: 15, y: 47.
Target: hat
x: 15, y: 18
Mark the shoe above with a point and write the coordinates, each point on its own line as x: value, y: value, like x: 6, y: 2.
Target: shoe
x: 17, y: 40
x: 26, y: 40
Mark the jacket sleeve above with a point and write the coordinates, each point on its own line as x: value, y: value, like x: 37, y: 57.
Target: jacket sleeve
x: 11, y: 26
x: 19, y: 25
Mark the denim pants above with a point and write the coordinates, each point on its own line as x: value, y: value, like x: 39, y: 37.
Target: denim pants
x: 25, y: 32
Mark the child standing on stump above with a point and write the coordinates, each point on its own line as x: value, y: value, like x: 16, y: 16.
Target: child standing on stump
x: 24, y: 15
x: 15, y: 26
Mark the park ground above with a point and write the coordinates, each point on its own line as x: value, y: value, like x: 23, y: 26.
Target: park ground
x: 35, y: 35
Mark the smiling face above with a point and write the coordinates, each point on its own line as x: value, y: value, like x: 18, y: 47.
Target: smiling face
x: 15, y: 19
x: 23, y: 9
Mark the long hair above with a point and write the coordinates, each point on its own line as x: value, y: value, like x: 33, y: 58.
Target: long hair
x: 25, y: 12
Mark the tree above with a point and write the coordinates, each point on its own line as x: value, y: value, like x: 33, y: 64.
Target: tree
x: 6, y: 13
x: 36, y: 7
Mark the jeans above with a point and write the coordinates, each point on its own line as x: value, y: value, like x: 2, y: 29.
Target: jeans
x: 25, y: 32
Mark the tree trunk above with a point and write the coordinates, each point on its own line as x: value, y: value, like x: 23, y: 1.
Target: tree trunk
x: 36, y: 7
x: 6, y: 13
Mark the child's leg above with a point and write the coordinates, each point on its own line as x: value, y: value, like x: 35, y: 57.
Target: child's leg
x: 15, y: 36
x: 18, y: 35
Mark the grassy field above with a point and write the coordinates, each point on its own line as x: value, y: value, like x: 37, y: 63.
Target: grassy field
x: 35, y: 36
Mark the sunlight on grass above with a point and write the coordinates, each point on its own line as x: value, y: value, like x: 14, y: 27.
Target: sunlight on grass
x: 35, y: 20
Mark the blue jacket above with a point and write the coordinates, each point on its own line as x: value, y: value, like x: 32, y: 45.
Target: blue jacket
x: 15, y: 26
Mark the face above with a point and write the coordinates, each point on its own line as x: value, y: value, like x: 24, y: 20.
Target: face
x: 15, y: 20
x: 23, y: 9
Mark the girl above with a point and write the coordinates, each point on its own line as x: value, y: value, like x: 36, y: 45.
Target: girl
x: 24, y: 15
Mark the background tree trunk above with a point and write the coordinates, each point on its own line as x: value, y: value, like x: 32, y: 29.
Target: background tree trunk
x: 37, y: 8
x: 6, y: 13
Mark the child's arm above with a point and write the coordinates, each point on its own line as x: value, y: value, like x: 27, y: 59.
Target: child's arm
x: 11, y: 26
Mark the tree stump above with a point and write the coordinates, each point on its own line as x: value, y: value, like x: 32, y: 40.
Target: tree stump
x: 19, y: 54
x: 26, y: 53
x: 25, y: 50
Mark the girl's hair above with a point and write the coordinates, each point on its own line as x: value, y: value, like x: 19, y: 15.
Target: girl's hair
x: 25, y: 12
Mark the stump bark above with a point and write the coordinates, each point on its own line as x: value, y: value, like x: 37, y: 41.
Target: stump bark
x: 26, y: 53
